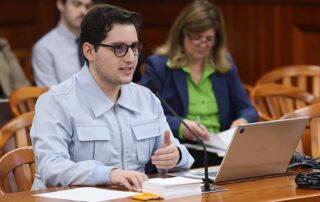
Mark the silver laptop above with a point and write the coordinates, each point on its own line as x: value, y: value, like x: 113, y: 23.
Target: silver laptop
x: 257, y: 149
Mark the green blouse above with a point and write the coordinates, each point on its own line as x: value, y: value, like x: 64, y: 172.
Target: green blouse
x: 202, y: 106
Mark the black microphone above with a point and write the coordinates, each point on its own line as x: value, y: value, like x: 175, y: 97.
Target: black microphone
x: 152, y: 85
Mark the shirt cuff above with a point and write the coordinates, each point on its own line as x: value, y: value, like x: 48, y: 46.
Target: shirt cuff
x: 101, y: 175
x: 186, y: 159
x: 180, y: 155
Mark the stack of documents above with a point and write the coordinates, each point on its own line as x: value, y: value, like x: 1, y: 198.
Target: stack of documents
x: 174, y: 187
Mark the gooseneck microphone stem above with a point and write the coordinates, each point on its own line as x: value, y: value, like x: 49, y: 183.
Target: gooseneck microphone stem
x: 207, y: 187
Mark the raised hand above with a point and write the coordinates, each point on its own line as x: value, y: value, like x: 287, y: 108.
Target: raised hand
x: 168, y: 156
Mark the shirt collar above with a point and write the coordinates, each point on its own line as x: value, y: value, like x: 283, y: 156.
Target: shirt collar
x: 62, y: 29
x: 128, y: 99
x: 97, y: 100
x: 208, y: 70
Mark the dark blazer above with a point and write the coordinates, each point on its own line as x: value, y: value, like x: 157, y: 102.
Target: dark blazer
x: 233, y: 102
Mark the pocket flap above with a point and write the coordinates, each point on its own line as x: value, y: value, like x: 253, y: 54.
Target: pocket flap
x: 146, y: 130
x: 92, y: 133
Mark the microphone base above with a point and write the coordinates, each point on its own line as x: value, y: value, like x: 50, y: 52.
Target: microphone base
x: 212, y: 189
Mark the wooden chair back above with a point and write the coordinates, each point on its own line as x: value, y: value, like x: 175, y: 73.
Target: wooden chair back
x: 17, y: 169
x: 23, y: 99
x: 311, y: 137
x: 18, y: 128
x: 305, y: 77
x: 248, y: 88
x: 274, y: 100
x: 24, y: 58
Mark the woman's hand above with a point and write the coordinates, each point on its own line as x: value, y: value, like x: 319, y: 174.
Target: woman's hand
x: 199, y: 129
x: 238, y: 122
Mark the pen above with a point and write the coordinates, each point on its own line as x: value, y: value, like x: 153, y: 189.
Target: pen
x: 198, y: 121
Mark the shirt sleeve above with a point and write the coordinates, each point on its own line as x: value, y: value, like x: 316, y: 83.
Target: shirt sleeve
x: 43, y: 66
x: 51, y: 135
x: 241, y: 104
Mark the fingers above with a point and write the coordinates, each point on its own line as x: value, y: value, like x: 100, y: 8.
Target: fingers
x: 166, y: 150
x: 134, y: 180
x: 166, y: 158
x: 167, y: 140
x: 238, y: 122
x: 199, y: 129
x: 126, y: 183
x: 130, y: 179
x: 202, y: 131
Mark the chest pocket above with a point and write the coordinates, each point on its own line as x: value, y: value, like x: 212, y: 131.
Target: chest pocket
x: 88, y: 139
x: 146, y: 134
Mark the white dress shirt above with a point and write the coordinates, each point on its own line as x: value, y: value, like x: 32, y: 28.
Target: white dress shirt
x: 79, y: 135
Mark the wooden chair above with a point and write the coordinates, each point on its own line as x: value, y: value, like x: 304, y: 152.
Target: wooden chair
x: 23, y: 100
x: 274, y: 100
x: 311, y: 137
x: 24, y: 58
x: 305, y: 77
x: 18, y: 128
x: 17, y: 169
x: 248, y: 88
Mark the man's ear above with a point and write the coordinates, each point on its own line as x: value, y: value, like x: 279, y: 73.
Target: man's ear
x: 88, y: 51
x: 60, y: 5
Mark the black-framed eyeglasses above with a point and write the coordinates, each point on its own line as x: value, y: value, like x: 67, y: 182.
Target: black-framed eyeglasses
x: 197, y: 39
x: 121, y: 49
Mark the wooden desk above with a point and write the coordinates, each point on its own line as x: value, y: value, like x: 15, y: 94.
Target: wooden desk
x: 269, y: 189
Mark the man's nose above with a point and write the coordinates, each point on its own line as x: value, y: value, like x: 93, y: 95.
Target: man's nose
x: 84, y: 9
x: 130, y: 56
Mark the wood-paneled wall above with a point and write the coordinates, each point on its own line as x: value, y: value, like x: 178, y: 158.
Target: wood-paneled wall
x: 262, y: 34
x: 23, y: 22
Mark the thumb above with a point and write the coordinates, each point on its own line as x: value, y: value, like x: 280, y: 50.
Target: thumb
x: 167, y: 140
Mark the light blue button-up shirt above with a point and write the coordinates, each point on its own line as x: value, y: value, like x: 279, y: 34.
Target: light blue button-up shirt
x: 55, y: 57
x: 79, y: 135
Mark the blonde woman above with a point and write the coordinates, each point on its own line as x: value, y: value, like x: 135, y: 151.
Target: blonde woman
x: 196, y: 76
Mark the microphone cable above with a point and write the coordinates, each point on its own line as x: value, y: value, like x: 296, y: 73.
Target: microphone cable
x: 303, y: 180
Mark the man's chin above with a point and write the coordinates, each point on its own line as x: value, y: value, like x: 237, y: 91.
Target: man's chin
x: 126, y: 80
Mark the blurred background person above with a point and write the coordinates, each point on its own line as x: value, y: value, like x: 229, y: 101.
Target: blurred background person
x: 198, y: 79
x: 11, y: 74
x: 57, y: 56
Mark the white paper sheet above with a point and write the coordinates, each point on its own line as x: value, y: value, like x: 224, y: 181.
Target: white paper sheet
x: 221, y: 140
x: 218, y: 143
x: 87, y: 194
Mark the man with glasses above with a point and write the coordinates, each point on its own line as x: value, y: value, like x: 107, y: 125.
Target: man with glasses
x: 56, y: 56
x: 97, y: 127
